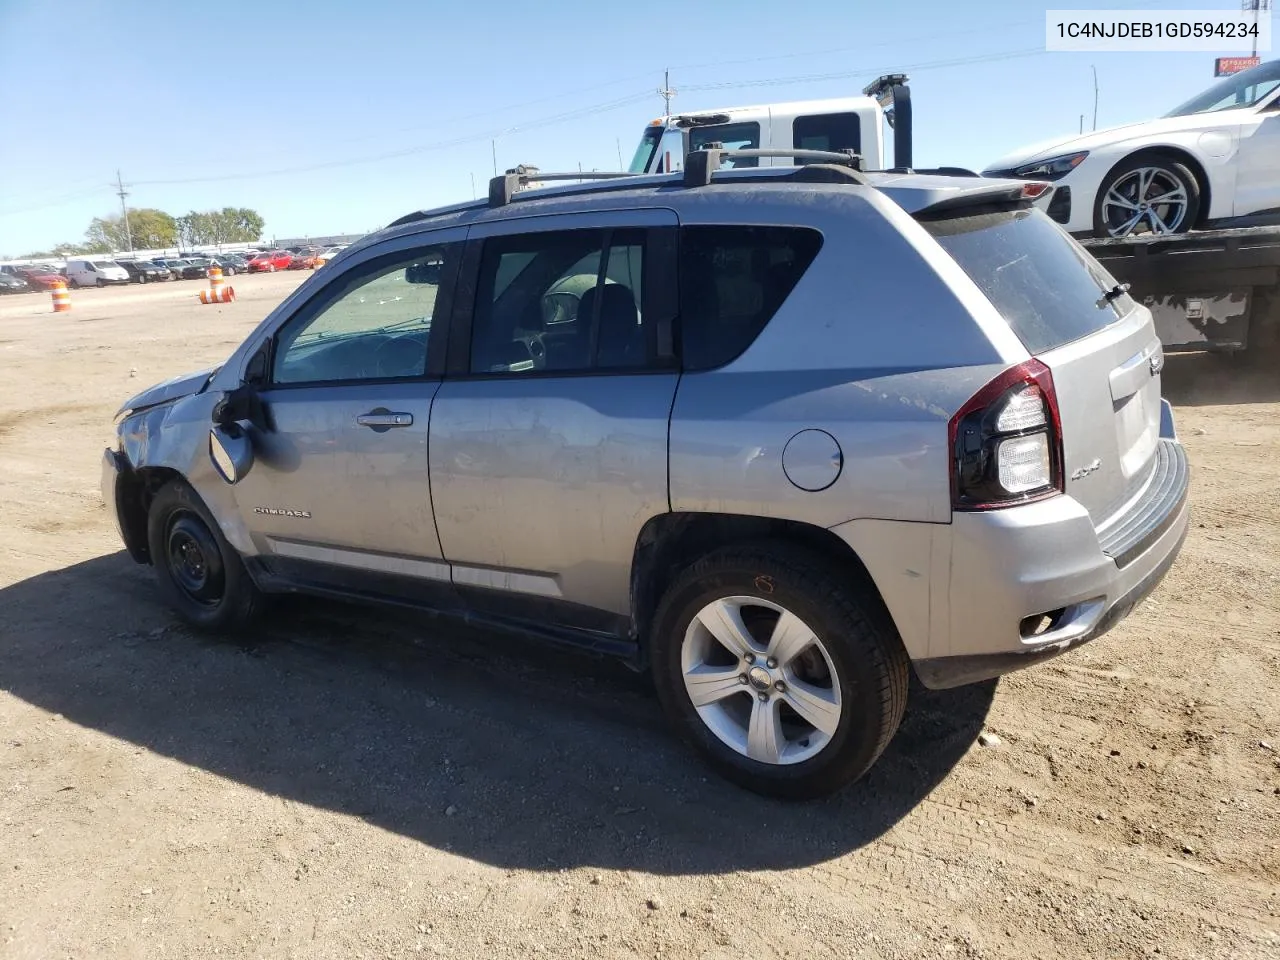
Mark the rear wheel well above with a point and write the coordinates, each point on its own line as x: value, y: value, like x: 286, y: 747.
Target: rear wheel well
x: 1178, y: 156
x: 136, y: 491
x: 669, y: 543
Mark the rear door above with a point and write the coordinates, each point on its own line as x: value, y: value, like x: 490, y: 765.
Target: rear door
x: 1103, y: 351
x: 549, y: 435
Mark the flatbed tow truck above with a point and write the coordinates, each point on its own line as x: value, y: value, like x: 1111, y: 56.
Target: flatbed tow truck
x: 1216, y: 289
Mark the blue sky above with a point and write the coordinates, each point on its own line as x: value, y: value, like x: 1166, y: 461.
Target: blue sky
x: 332, y: 117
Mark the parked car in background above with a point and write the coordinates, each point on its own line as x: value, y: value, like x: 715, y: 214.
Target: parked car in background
x: 328, y: 254
x: 174, y: 265
x: 304, y: 261
x: 197, y: 268
x: 231, y: 263
x: 144, y: 271
x: 37, y: 276
x: 271, y: 261
x: 1212, y: 162
x: 12, y: 283
x: 96, y: 273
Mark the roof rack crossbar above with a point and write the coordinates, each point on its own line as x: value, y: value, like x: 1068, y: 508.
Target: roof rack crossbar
x: 699, y: 165
x: 503, y: 188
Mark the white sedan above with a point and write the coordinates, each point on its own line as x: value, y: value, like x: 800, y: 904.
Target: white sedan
x: 1214, y: 161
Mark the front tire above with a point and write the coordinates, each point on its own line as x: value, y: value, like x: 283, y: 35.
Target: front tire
x: 1147, y: 194
x: 199, y: 573
x: 788, y: 677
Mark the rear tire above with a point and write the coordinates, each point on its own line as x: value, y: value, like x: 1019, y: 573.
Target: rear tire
x: 199, y: 573
x: 848, y: 672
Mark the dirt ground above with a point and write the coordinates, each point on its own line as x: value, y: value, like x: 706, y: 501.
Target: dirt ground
x: 347, y: 785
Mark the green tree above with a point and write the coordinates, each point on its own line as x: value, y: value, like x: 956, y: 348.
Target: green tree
x: 228, y: 225
x: 148, y: 227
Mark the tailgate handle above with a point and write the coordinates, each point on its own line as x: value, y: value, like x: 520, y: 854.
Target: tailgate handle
x: 1130, y: 377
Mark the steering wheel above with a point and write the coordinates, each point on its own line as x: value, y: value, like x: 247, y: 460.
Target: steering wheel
x: 401, y: 356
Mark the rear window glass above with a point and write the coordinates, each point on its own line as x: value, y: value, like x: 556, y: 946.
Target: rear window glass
x: 732, y: 281
x: 1043, y: 282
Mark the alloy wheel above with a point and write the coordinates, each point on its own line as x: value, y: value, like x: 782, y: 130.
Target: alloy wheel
x: 761, y: 680
x: 1145, y: 200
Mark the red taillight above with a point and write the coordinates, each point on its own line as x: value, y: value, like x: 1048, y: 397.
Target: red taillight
x: 1031, y: 191
x: 1006, y: 442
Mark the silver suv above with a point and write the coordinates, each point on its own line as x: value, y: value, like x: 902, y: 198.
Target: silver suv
x: 779, y: 435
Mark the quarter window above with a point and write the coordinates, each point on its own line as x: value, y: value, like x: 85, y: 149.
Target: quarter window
x: 561, y: 302
x: 376, y: 325
x: 732, y: 282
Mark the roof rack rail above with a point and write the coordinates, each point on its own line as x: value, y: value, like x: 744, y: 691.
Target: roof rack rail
x: 699, y: 165
x: 503, y: 188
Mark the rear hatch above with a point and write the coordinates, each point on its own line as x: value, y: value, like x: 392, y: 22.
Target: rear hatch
x: 1099, y: 344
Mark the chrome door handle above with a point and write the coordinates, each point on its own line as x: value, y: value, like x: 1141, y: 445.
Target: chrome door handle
x: 384, y: 419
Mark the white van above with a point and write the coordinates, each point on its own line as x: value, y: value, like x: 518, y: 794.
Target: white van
x: 95, y: 273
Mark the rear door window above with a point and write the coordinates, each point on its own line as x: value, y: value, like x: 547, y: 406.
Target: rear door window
x: 1045, y: 285
x: 733, y: 279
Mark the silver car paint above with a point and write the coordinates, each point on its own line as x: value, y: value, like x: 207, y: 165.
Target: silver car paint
x: 542, y: 491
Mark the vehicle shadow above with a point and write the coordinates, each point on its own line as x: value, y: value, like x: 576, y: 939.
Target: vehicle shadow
x: 511, y: 754
x: 1209, y: 379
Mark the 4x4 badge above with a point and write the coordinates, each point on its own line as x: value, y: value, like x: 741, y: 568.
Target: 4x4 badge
x: 1088, y: 468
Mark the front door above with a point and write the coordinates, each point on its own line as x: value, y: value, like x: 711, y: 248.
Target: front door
x: 340, y: 493
x: 1258, y: 163
x: 549, y: 436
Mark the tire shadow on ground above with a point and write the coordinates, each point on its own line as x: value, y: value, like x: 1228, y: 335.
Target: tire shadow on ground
x: 548, y: 759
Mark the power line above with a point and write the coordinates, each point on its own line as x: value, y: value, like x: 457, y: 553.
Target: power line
x: 866, y: 72
x: 409, y: 151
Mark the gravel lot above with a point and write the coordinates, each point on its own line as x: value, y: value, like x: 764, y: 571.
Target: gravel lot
x: 347, y: 785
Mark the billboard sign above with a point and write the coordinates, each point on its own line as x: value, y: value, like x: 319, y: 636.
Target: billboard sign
x: 1225, y: 66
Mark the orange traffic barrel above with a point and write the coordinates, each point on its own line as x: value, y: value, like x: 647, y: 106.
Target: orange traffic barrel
x: 61, y: 297
x: 222, y: 294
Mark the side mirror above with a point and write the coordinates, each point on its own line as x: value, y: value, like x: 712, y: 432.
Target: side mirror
x: 231, y: 451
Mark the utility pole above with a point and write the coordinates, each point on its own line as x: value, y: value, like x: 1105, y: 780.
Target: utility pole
x: 1257, y: 6
x: 493, y: 145
x: 618, y: 141
x: 666, y: 92
x: 1082, y: 123
x: 473, y: 186
x: 1095, y: 98
x: 124, y: 210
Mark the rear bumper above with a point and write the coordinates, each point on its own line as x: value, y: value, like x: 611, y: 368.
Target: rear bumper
x: 1031, y: 583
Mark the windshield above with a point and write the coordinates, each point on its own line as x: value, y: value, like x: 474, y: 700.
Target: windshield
x: 644, y: 153
x: 1244, y: 89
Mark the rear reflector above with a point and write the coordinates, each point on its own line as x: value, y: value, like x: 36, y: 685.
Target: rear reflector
x: 1035, y: 189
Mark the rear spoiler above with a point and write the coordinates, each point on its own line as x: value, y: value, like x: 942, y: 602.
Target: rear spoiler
x: 986, y: 198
